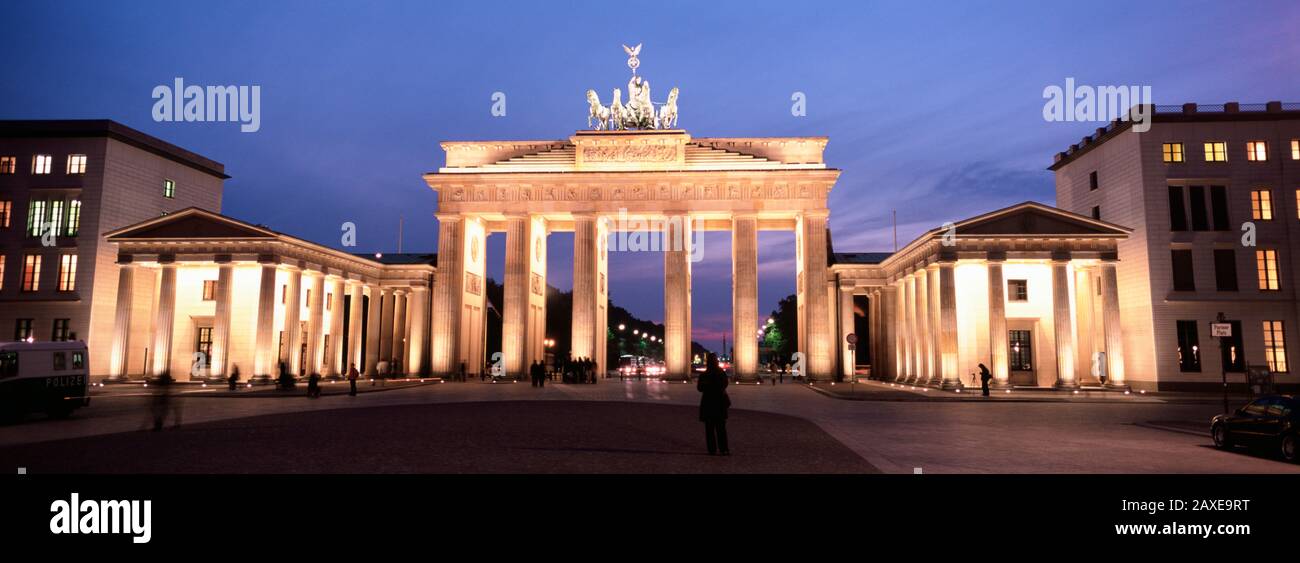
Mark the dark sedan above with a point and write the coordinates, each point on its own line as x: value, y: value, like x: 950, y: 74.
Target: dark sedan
x: 1272, y: 421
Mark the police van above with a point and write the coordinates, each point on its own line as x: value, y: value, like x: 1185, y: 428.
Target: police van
x: 49, y: 377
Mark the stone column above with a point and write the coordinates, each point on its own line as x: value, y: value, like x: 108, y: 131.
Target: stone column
x: 744, y: 295
x: 355, y: 321
x: 998, y: 322
x: 292, y: 322
x: 386, y: 318
x: 900, y: 331
x: 165, y: 319
x: 117, y: 364
x: 263, y: 353
x: 418, y: 306
x: 848, y: 358
x: 447, y: 293
x: 677, y: 296
x: 924, y: 371
x: 221, y: 320
x: 1063, y: 335
x: 817, y: 311
x: 1114, y: 330
x: 374, y: 329
x: 935, y: 322
x: 514, y: 311
x: 888, y: 320
x: 948, y: 323
x: 908, y: 293
x: 399, y: 330
x: 334, y: 361
x: 315, y: 324
x: 582, y: 343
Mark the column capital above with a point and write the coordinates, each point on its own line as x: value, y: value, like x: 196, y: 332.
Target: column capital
x: 996, y: 256
x: 1110, y: 257
x: 1060, y: 256
x: 449, y: 217
x: 817, y: 213
x: 167, y: 259
x: 125, y: 260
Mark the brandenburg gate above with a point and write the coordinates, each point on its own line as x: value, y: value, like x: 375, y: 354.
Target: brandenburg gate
x: 600, y: 182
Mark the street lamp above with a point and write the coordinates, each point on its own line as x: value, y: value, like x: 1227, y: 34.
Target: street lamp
x: 635, y: 332
x: 621, y: 327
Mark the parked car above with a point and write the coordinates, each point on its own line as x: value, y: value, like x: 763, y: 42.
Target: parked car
x: 1272, y: 421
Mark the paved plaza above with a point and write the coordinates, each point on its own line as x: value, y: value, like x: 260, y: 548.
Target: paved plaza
x: 620, y: 427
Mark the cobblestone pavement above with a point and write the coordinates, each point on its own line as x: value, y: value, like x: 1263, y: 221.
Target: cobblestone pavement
x: 892, y: 436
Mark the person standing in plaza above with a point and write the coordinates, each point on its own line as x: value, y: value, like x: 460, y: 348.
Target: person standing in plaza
x: 353, y: 374
x: 714, y: 404
x: 313, y: 385
x: 233, y: 379
x: 985, y: 376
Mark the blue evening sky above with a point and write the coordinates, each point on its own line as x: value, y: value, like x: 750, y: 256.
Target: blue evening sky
x: 932, y: 108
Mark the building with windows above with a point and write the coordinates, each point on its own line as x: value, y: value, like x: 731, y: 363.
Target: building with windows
x: 1212, y: 194
x: 64, y: 183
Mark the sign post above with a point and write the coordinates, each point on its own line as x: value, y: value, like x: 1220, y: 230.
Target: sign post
x: 1223, y: 331
x: 852, y: 339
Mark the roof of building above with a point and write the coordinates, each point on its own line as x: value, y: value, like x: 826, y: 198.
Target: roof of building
x: 405, y: 258
x: 1190, y: 112
x: 859, y: 257
x: 78, y: 128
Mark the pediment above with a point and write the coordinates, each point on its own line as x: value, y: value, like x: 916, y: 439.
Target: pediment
x: 1036, y: 220
x: 191, y: 224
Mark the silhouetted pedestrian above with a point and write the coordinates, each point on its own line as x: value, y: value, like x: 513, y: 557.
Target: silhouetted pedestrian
x: 462, y: 372
x: 233, y: 379
x: 313, y: 385
x: 985, y: 376
x: 353, y: 374
x: 163, y: 403
x: 714, y: 403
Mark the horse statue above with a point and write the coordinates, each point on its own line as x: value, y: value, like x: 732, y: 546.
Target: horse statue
x: 668, y: 113
x: 617, y: 111
x: 598, y: 112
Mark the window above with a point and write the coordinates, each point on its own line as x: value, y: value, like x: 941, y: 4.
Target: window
x: 60, y: 361
x: 1021, y: 356
x: 209, y: 290
x: 1172, y: 152
x: 76, y: 164
x: 1225, y: 269
x: 7, y: 210
x: 1219, y: 207
x: 1189, y: 347
x: 284, y: 294
x: 1184, y: 280
x: 78, y: 360
x: 32, y: 272
x: 203, y: 345
x: 1275, y: 346
x: 1096, y: 212
x: 329, y: 302
x: 1200, y: 217
x: 1295, y: 151
x: 1261, y: 205
x: 1177, y: 212
x: 61, y: 330
x: 2, y: 272
x: 56, y: 216
x: 1256, y: 151
x: 68, y: 272
x: 169, y: 189
x: 35, y: 216
x: 1092, y: 180
x: 41, y: 163
x: 1266, y: 263
x: 1018, y: 290
x: 8, y: 164
x: 74, y: 217
x: 8, y: 364
x: 1216, y: 152
x: 22, y: 329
